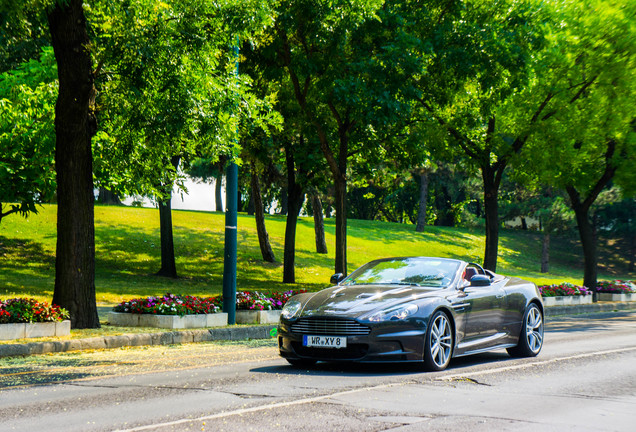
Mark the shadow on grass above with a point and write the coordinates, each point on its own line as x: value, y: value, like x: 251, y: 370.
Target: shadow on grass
x: 398, y: 233
x: 26, y: 268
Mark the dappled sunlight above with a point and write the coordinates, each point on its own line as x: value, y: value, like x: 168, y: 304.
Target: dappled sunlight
x: 128, y: 252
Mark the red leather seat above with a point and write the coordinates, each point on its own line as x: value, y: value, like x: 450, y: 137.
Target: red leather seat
x: 469, y: 273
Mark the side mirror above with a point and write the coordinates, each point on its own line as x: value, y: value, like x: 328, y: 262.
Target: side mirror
x: 337, y: 278
x: 480, y: 280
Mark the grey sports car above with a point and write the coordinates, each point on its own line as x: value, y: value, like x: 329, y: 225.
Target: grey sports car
x: 414, y: 309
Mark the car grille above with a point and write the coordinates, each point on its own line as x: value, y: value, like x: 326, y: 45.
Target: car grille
x: 332, y: 327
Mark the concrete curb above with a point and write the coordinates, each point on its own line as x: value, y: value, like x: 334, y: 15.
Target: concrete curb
x: 232, y: 333
x: 140, y: 339
x: 554, y: 311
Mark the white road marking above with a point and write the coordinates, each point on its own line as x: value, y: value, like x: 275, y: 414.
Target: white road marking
x: 532, y: 364
x: 364, y: 389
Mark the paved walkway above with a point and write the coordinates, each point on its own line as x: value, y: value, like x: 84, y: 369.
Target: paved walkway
x: 232, y: 333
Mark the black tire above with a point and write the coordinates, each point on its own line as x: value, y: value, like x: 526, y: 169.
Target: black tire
x: 301, y: 363
x: 440, y: 340
x: 531, y: 334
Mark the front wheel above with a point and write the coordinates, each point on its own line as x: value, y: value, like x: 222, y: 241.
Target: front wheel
x: 438, y: 348
x: 531, y: 337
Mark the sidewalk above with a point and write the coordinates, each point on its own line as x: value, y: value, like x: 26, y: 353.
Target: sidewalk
x: 232, y: 333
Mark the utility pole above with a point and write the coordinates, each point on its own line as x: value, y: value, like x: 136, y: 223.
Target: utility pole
x: 231, y: 200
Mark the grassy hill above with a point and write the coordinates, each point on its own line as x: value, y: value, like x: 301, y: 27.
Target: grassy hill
x: 128, y: 253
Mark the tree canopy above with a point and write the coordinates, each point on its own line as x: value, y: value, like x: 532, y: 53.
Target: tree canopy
x: 406, y: 107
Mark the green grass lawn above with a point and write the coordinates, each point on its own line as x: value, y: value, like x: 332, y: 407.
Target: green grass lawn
x: 128, y: 253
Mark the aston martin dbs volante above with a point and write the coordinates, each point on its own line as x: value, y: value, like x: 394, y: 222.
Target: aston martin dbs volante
x: 415, y: 309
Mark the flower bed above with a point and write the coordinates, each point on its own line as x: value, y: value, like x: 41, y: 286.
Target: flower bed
x: 565, y: 294
x: 170, y: 304
x: 27, y: 318
x: 260, y: 301
x: 260, y: 307
x: 25, y: 310
x: 195, y: 312
x: 616, y: 290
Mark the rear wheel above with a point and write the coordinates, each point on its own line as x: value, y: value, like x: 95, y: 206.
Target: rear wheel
x: 531, y: 337
x: 438, y: 348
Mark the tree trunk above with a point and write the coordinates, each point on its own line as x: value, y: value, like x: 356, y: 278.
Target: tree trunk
x: 421, y: 213
x: 491, y: 211
x: 545, y: 253
x: 251, y: 204
x: 75, y: 124
x: 108, y: 197
x: 168, y: 265
x: 588, y: 241
x: 218, y: 197
x: 284, y: 202
x: 259, y: 215
x: 319, y: 225
x: 295, y: 198
x: 632, y: 252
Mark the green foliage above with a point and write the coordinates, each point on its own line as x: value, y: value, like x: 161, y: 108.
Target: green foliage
x: 167, y: 72
x: 23, y: 31
x: 27, y: 140
x: 27, y: 310
x: 128, y: 240
x: 594, y: 87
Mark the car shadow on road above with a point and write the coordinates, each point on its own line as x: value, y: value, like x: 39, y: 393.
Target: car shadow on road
x: 380, y: 369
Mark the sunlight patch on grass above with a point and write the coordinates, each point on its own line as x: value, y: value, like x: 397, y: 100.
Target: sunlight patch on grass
x: 127, y: 242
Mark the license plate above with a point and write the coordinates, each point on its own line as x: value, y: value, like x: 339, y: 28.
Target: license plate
x: 325, y: 341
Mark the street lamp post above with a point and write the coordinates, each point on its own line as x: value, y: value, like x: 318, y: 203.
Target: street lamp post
x: 229, y: 257
x: 229, y: 263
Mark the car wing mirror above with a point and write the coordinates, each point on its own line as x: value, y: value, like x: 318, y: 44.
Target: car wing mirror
x: 337, y: 278
x: 480, y: 280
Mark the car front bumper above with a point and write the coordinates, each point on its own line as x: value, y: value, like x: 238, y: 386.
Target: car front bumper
x: 386, y: 342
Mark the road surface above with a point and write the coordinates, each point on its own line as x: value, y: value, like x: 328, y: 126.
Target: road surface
x: 583, y: 380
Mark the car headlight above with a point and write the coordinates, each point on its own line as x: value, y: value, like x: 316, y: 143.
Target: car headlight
x: 291, y: 309
x: 395, y: 313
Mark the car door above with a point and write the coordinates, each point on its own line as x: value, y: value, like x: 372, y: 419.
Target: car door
x: 484, y: 320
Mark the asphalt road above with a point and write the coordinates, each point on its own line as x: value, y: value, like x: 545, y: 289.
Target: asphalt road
x: 583, y: 380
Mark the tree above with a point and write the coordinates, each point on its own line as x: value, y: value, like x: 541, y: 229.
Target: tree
x: 27, y: 139
x: 75, y: 125
x: 210, y: 168
x: 171, y: 94
x: 344, y: 65
x: 481, y: 88
x: 259, y: 214
x: 592, y: 132
x: 618, y: 217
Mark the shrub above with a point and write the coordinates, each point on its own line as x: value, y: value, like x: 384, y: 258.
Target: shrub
x: 25, y: 310
x: 563, y: 289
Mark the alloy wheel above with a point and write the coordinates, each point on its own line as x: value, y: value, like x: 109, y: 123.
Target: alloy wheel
x: 534, y: 329
x: 441, y: 341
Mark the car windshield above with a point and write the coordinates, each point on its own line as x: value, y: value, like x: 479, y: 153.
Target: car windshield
x: 429, y: 272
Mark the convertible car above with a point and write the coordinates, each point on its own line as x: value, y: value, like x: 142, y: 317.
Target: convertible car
x: 415, y: 309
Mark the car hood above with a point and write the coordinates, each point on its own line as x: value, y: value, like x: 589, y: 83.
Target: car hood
x: 359, y: 300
